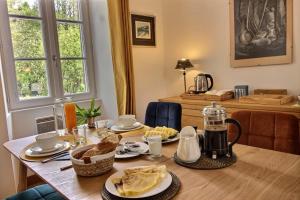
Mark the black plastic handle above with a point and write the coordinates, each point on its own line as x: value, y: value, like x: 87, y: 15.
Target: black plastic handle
x: 238, y: 134
x: 211, y: 81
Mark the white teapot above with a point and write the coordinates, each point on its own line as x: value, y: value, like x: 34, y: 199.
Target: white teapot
x: 188, y: 149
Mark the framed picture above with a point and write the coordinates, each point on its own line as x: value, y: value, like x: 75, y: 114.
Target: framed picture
x: 143, y: 30
x: 261, y: 32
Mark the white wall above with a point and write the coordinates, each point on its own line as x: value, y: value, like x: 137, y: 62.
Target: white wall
x: 22, y: 122
x: 7, y: 187
x: 104, y: 74
x: 149, y: 61
x: 199, y: 30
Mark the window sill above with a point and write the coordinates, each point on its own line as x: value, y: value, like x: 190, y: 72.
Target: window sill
x: 80, y: 102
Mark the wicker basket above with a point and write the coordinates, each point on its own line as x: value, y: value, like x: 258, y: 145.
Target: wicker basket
x: 100, y: 164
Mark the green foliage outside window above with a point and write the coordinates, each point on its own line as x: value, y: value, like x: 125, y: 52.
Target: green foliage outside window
x: 27, y: 38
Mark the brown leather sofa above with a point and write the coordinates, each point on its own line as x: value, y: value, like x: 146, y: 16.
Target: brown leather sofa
x: 268, y: 130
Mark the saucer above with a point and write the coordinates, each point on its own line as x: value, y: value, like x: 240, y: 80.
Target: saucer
x: 134, y: 152
x: 61, y: 146
x: 135, y: 126
x: 37, y: 149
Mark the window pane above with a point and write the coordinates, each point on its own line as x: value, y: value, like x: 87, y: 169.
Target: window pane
x: 67, y: 9
x: 73, y: 76
x: 27, y: 38
x: 23, y: 7
x: 69, y: 37
x: 32, y: 79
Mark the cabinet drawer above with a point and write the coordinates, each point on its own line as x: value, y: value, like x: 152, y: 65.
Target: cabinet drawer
x: 192, y: 121
x: 191, y: 112
x: 193, y: 107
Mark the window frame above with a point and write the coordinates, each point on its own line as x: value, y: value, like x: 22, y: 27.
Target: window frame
x: 53, y: 67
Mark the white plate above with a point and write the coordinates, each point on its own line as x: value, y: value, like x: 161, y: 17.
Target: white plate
x: 162, y: 186
x: 29, y: 152
x: 38, y: 149
x: 142, y: 149
x: 173, y: 139
x: 136, y: 126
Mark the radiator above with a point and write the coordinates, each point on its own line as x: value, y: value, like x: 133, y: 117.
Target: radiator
x: 46, y: 124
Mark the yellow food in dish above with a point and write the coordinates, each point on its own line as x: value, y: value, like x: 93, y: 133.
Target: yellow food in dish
x: 148, y: 169
x: 139, y: 180
x: 164, y: 132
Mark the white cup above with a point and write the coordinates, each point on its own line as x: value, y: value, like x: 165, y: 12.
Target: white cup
x: 126, y: 121
x: 47, y: 140
x: 155, y: 145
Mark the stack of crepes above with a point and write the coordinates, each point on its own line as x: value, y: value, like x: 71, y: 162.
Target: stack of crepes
x: 164, y: 132
x: 139, y: 180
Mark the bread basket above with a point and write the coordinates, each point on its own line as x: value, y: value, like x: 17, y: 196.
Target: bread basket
x: 100, y: 164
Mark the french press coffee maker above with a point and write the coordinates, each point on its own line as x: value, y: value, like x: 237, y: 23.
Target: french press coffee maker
x: 215, y: 142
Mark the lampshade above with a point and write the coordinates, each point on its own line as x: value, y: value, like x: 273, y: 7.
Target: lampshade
x: 183, y: 64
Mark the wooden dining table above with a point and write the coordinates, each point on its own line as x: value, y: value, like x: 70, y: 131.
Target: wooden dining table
x: 258, y: 174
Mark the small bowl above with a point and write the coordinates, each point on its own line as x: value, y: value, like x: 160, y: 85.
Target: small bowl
x: 99, y: 165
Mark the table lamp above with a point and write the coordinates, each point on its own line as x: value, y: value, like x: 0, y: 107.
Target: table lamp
x: 182, y: 65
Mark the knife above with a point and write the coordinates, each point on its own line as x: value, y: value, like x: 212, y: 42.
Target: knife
x: 55, y: 156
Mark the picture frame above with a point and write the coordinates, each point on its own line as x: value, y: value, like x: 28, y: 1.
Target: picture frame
x: 143, y: 30
x: 261, y: 32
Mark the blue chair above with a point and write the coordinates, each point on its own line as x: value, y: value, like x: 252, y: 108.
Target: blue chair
x: 41, y: 192
x: 163, y: 114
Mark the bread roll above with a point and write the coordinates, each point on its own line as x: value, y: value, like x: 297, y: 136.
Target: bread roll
x: 106, y: 145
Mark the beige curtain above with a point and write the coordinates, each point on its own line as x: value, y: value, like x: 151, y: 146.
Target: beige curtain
x: 119, y: 18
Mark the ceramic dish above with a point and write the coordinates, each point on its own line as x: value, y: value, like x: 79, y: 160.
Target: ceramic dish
x: 63, y: 146
x: 136, y: 126
x: 38, y: 149
x: 133, y: 152
x: 173, y: 139
x: 162, y: 186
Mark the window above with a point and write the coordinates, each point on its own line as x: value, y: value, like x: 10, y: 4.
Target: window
x: 46, y: 51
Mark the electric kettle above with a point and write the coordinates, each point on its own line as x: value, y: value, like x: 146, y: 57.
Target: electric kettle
x: 201, y: 83
x: 214, y: 141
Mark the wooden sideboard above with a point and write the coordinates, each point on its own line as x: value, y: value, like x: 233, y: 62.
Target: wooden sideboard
x: 192, y: 109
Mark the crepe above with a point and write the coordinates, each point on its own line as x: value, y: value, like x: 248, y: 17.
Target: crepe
x: 164, y: 132
x: 147, y: 169
x: 136, y: 181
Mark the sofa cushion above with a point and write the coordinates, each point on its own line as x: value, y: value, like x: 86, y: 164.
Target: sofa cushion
x: 41, y: 192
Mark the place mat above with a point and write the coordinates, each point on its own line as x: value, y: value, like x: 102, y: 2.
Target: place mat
x: 67, y: 138
x: 165, y: 195
x: 206, y: 162
x: 134, y: 133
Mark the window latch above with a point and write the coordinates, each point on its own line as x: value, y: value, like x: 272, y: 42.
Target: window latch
x: 54, y: 58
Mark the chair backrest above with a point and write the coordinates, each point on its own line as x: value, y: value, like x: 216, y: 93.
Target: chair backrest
x: 163, y: 114
x: 268, y: 130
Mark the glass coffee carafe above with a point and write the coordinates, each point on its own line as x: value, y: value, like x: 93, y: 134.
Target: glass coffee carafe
x: 215, y: 142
